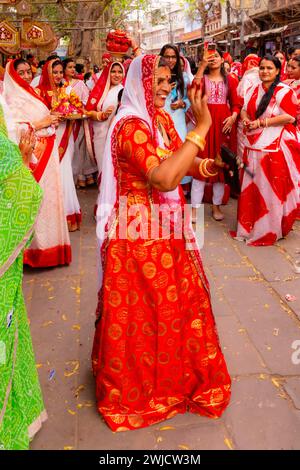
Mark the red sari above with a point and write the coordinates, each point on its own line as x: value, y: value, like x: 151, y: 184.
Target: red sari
x: 222, y: 102
x: 156, y: 351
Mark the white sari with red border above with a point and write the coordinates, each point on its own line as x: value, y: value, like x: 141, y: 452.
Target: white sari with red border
x: 51, y: 243
x: 267, y: 206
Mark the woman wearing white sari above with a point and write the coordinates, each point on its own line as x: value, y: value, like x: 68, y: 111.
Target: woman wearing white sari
x: 83, y: 166
x: 51, y: 243
x: 50, y: 84
x: 102, y: 105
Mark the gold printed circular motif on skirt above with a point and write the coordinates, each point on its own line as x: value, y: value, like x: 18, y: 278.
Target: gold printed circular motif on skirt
x: 122, y: 282
x: 162, y: 329
x: 149, y: 270
x: 133, y: 394
x: 117, y: 265
x: 140, y: 252
x: 176, y: 324
x: 193, y: 345
x: 166, y: 312
x: 139, y: 313
x: 114, y: 298
x: 131, y: 329
x: 211, y: 350
x: 148, y: 329
x: 167, y: 260
x: 115, y: 331
x: 147, y: 388
x: 147, y: 359
x: 161, y: 280
x: 184, y: 285
x: 132, y: 297
x: 131, y: 265
x: 163, y: 358
x: 115, y: 364
x: 172, y: 294
x: 118, y: 419
x: 140, y: 137
x: 136, y: 421
x: 114, y: 395
x: 156, y: 251
x: 159, y: 299
x: 122, y: 315
x: 197, y: 327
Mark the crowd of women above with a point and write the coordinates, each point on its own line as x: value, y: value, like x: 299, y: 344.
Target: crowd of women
x: 153, y: 135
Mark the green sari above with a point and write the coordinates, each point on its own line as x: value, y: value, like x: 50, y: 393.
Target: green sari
x: 21, y: 404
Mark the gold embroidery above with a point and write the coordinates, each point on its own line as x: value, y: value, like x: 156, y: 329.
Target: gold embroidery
x: 149, y: 270
x: 166, y: 260
x: 140, y: 137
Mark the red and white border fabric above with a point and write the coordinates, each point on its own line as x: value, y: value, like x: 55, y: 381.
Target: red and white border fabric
x: 51, y: 243
x: 267, y: 206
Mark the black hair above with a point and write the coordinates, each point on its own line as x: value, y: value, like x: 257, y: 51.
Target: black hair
x: 176, y: 73
x: 87, y: 76
x: 95, y: 68
x: 264, y: 102
x: 19, y: 62
x: 41, y: 63
x: 192, y: 65
x: 79, y: 68
x: 56, y: 62
x: 291, y: 50
x: 67, y: 61
x: 29, y: 56
x: 222, y: 69
x: 51, y: 57
x: 120, y: 94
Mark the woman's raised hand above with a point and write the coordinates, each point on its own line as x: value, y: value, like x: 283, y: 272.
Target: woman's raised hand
x: 26, y: 145
x: 199, y: 106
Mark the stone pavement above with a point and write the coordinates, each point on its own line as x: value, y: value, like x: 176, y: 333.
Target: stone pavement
x: 257, y: 328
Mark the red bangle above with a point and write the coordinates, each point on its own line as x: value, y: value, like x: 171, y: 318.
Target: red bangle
x: 135, y: 49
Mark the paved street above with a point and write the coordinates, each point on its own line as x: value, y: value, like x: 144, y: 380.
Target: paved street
x: 256, y: 325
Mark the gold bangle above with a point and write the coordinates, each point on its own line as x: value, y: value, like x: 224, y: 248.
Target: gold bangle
x: 97, y: 116
x: 201, y: 169
x: 209, y: 160
x: 196, y: 139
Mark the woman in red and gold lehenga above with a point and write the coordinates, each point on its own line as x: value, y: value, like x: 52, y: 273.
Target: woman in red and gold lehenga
x: 156, y: 351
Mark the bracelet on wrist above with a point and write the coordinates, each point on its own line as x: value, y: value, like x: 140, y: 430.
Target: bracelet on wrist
x: 196, y: 139
x: 203, y: 170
